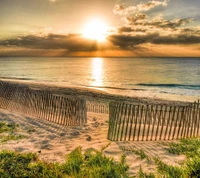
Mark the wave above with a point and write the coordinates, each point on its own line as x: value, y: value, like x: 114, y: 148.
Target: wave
x: 116, y: 88
x: 15, y: 78
x: 194, y: 87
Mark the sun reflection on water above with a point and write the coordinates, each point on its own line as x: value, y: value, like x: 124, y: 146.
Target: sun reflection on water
x: 97, y: 72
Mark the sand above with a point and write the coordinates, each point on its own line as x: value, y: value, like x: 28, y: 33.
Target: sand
x: 52, y: 141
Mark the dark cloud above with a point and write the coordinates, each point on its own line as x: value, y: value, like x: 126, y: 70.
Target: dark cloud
x: 158, y: 25
x: 76, y: 43
x: 179, y: 39
x: 127, y: 29
x: 162, y: 23
x: 190, y: 31
x: 127, y: 41
x: 71, y: 42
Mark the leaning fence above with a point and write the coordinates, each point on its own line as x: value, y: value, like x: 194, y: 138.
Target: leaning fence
x: 42, y: 104
x: 129, y: 122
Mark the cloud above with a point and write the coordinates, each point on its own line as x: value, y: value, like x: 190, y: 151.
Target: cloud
x: 128, y: 29
x: 129, y: 41
x: 162, y: 23
x: 118, y: 9
x: 150, y: 5
x: 139, y: 29
x: 70, y: 42
x: 139, y: 22
x: 126, y: 38
x: 121, y: 10
x: 157, y: 25
x: 136, y: 17
x: 159, y: 22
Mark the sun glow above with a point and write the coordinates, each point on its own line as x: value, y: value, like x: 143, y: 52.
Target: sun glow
x: 95, y: 30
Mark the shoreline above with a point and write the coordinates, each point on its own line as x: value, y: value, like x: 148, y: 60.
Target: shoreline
x: 95, y: 93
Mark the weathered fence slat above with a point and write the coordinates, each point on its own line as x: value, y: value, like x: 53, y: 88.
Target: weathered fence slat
x: 42, y: 104
x: 152, y: 122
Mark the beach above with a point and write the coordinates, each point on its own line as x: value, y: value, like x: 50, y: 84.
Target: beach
x: 52, y: 141
x: 87, y: 87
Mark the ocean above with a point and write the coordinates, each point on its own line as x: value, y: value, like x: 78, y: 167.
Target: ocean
x: 147, y: 77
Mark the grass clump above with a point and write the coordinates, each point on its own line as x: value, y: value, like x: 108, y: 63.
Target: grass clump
x: 93, y: 163
x: 169, y: 171
x: 141, y: 153
x: 188, y: 147
x: 191, y: 167
x: 5, y: 127
x: 90, y: 164
x: 18, y: 165
x: 8, y: 132
x: 14, y: 164
x: 9, y: 137
x: 141, y: 174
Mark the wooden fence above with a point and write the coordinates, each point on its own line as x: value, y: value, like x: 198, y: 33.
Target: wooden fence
x: 42, y: 104
x: 128, y: 122
x: 97, y: 107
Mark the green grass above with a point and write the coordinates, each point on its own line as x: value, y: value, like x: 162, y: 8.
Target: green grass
x: 188, y: 147
x: 141, y: 153
x: 169, y: 171
x: 17, y: 165
x: 93, y: 163
x: 6, y: 127
x: 8, y: 132
x: 9, y: 137
x: 190, y: 168
x: 90, y: 164
x: 141, y: 174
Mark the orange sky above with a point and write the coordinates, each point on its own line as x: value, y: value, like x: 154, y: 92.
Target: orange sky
x: 100, y: 28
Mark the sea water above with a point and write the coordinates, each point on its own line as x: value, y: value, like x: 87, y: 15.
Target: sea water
x: 148, y: 77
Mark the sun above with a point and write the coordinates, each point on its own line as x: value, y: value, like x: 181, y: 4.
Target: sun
x: 95, y: 30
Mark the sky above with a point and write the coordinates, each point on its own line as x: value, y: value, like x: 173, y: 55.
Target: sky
x: 144, y: 28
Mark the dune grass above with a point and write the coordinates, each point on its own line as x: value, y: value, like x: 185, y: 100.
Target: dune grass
x: 8, y: 131
x: 90, y: 164
x: 188, y: 169
x: 188, y: 147
x: 93, y: 163
x: 141, y: 153
x: 6, y: 127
